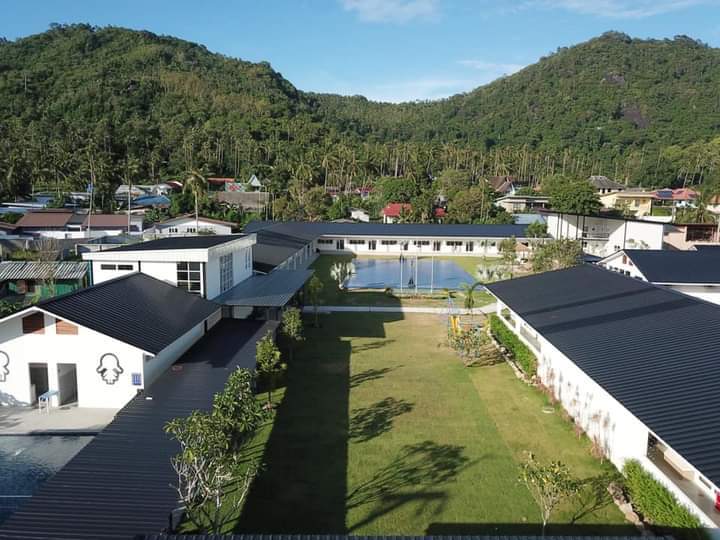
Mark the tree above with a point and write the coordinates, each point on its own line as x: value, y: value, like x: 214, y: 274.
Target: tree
x: 267, y: 357
x: 196, y: 183
x: 556, y: 254
x: 699, y: 211
x: 549, y: 485
x: 314, y: 290
x: 536, y: 229
x: 571, y: 195
x: 292, y: 327
x: 469, y: 293
x: 507, y: 251
x: 341, y: 271
x: 213, y: 467
x: 315, y: 203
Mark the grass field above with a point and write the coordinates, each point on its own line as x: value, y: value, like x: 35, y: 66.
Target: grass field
x: 381, y: 430
x: 333, y: 296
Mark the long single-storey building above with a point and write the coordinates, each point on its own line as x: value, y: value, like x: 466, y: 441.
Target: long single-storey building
x: 99, y: 346
x: 634, y: 364
x: 398, y: 238
x: 696, y: 273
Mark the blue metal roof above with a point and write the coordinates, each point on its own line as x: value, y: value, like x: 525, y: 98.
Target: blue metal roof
x: 653, y: 349
x: 663, y: 266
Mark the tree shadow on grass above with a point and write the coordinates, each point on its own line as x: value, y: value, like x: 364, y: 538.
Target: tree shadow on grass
x: 369, y: 422
x: 372, y: 345
x: 417, y: 466
x: 370, y: 375
x: 593, y: 496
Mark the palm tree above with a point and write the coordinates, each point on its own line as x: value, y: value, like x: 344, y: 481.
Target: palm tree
x: 469, y: 292
x: 196, y: 183
x: 699, y: 212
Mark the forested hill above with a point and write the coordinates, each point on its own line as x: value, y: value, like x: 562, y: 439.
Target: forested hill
x: 118, y: 104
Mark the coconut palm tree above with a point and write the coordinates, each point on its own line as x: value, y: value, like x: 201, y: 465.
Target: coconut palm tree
x: 699, y: 212
x: 469, y: 293
x: 197, y: 184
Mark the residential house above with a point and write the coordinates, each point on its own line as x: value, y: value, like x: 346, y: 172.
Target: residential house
x: 603, y: 185
x: 393, y: 212
x: 24, y: 280
x: 186, y: 224
x: 523, y: 203
x: 604, y: 235
x: 633, y: 364
x: 66, y: 224
x: 696, y: 272
x: 688, y: 235
x: 636, y: 202
x: 358, y: 214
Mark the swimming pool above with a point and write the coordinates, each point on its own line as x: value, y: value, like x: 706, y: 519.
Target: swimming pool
x: 27, y: 461
x: 426, y: 273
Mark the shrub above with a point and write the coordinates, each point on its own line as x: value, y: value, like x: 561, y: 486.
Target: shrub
x: 657, y: 504
x: 521, y: 353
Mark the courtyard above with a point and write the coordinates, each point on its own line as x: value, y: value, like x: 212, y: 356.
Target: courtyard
x: 380, y: 429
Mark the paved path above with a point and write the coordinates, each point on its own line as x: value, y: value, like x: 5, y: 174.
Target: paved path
x: 490, y: 308
x: 62, y: 420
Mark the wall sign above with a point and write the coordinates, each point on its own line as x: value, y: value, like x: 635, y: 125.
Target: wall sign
x: 4, y: 366
x: 109, y: 368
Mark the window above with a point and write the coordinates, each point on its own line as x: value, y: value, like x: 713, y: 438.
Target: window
x: 247, y: 258
x: 108, y: 267
x: 64, y: 328
x: 388, y: 242
x: 324, y: 241
x: 188, y: 277
x: 34, y: 324
x: 372, y: 245
x: 226, y: 272
x: 469, y: 246
x: 356, y: 242
x: 173, y: 230
x: 421, y: 242
x: 191, y: 230
x: 125, y: 267
x: 452, y: 243
x: 436, y: 245
x: 136, y: 379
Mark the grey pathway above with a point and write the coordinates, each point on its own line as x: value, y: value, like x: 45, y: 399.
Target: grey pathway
x: 59, y: 421
x: 490, y: 308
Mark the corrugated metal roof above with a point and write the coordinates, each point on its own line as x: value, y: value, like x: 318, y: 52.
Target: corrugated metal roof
x: 136, y: 309
x: 120, y: 484
x: 203, y: 241
x: 663, y: 266
x: 603, y: 182
x: 43, y: 219
x: 272, y: 290
x: 655, y: 350
x: 395, y: 230
x: 274, y: 248
x: 10, y: 270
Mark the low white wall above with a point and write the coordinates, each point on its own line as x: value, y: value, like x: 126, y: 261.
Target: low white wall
x: 480, y: 246
x: 709, y: 293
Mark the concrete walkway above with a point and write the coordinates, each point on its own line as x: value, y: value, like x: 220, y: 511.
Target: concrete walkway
x: 62, y: 420
x: 490, y: 308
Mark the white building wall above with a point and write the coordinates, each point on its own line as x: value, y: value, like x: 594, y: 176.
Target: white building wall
x: 621, y: 435
x: 184, y: 227
x: 709, y: 293
x: 621, y: 263
x: 448, y: 246
x: 84, y: 350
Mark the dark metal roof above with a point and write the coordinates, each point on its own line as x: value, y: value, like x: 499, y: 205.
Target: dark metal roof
x: 119, y: 485
x: 273, y: 248
x: 603, y: 182
x: 322, y: 228
x: 345, y: 537
x: 272, y: 290
x: 655, y: 350
x: 136, y: 309
x: 662, y: 266
x: 202, y: 241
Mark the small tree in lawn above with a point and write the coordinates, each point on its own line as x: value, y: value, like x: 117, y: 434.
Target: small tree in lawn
x: 292, y: 327
x: 314, y: 290
x: 549, y: 485
x: 267, y: 357
x: 507, y: 251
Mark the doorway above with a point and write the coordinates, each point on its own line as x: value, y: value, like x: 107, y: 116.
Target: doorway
x: 38, y: 381
x: 67, y: 383
x: 340, y: 245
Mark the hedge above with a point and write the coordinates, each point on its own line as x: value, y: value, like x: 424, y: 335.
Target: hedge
x: 657, y: 504
x: 507, y: 338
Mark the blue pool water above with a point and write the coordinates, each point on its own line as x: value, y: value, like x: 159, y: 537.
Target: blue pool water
x: 28, y: 461
x: 384, y: 273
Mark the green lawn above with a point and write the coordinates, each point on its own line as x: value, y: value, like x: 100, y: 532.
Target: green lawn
x: 381, y: 430
x: 332, y: 295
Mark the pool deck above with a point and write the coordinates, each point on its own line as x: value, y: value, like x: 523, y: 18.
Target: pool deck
x: 63, y: 420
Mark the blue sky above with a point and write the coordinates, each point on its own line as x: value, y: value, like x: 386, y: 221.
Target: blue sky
x: 393, y: 50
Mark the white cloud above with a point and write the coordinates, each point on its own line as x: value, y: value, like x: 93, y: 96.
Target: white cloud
x: 619, y: 9
x: 397, y: 11
x: 491, y: 70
